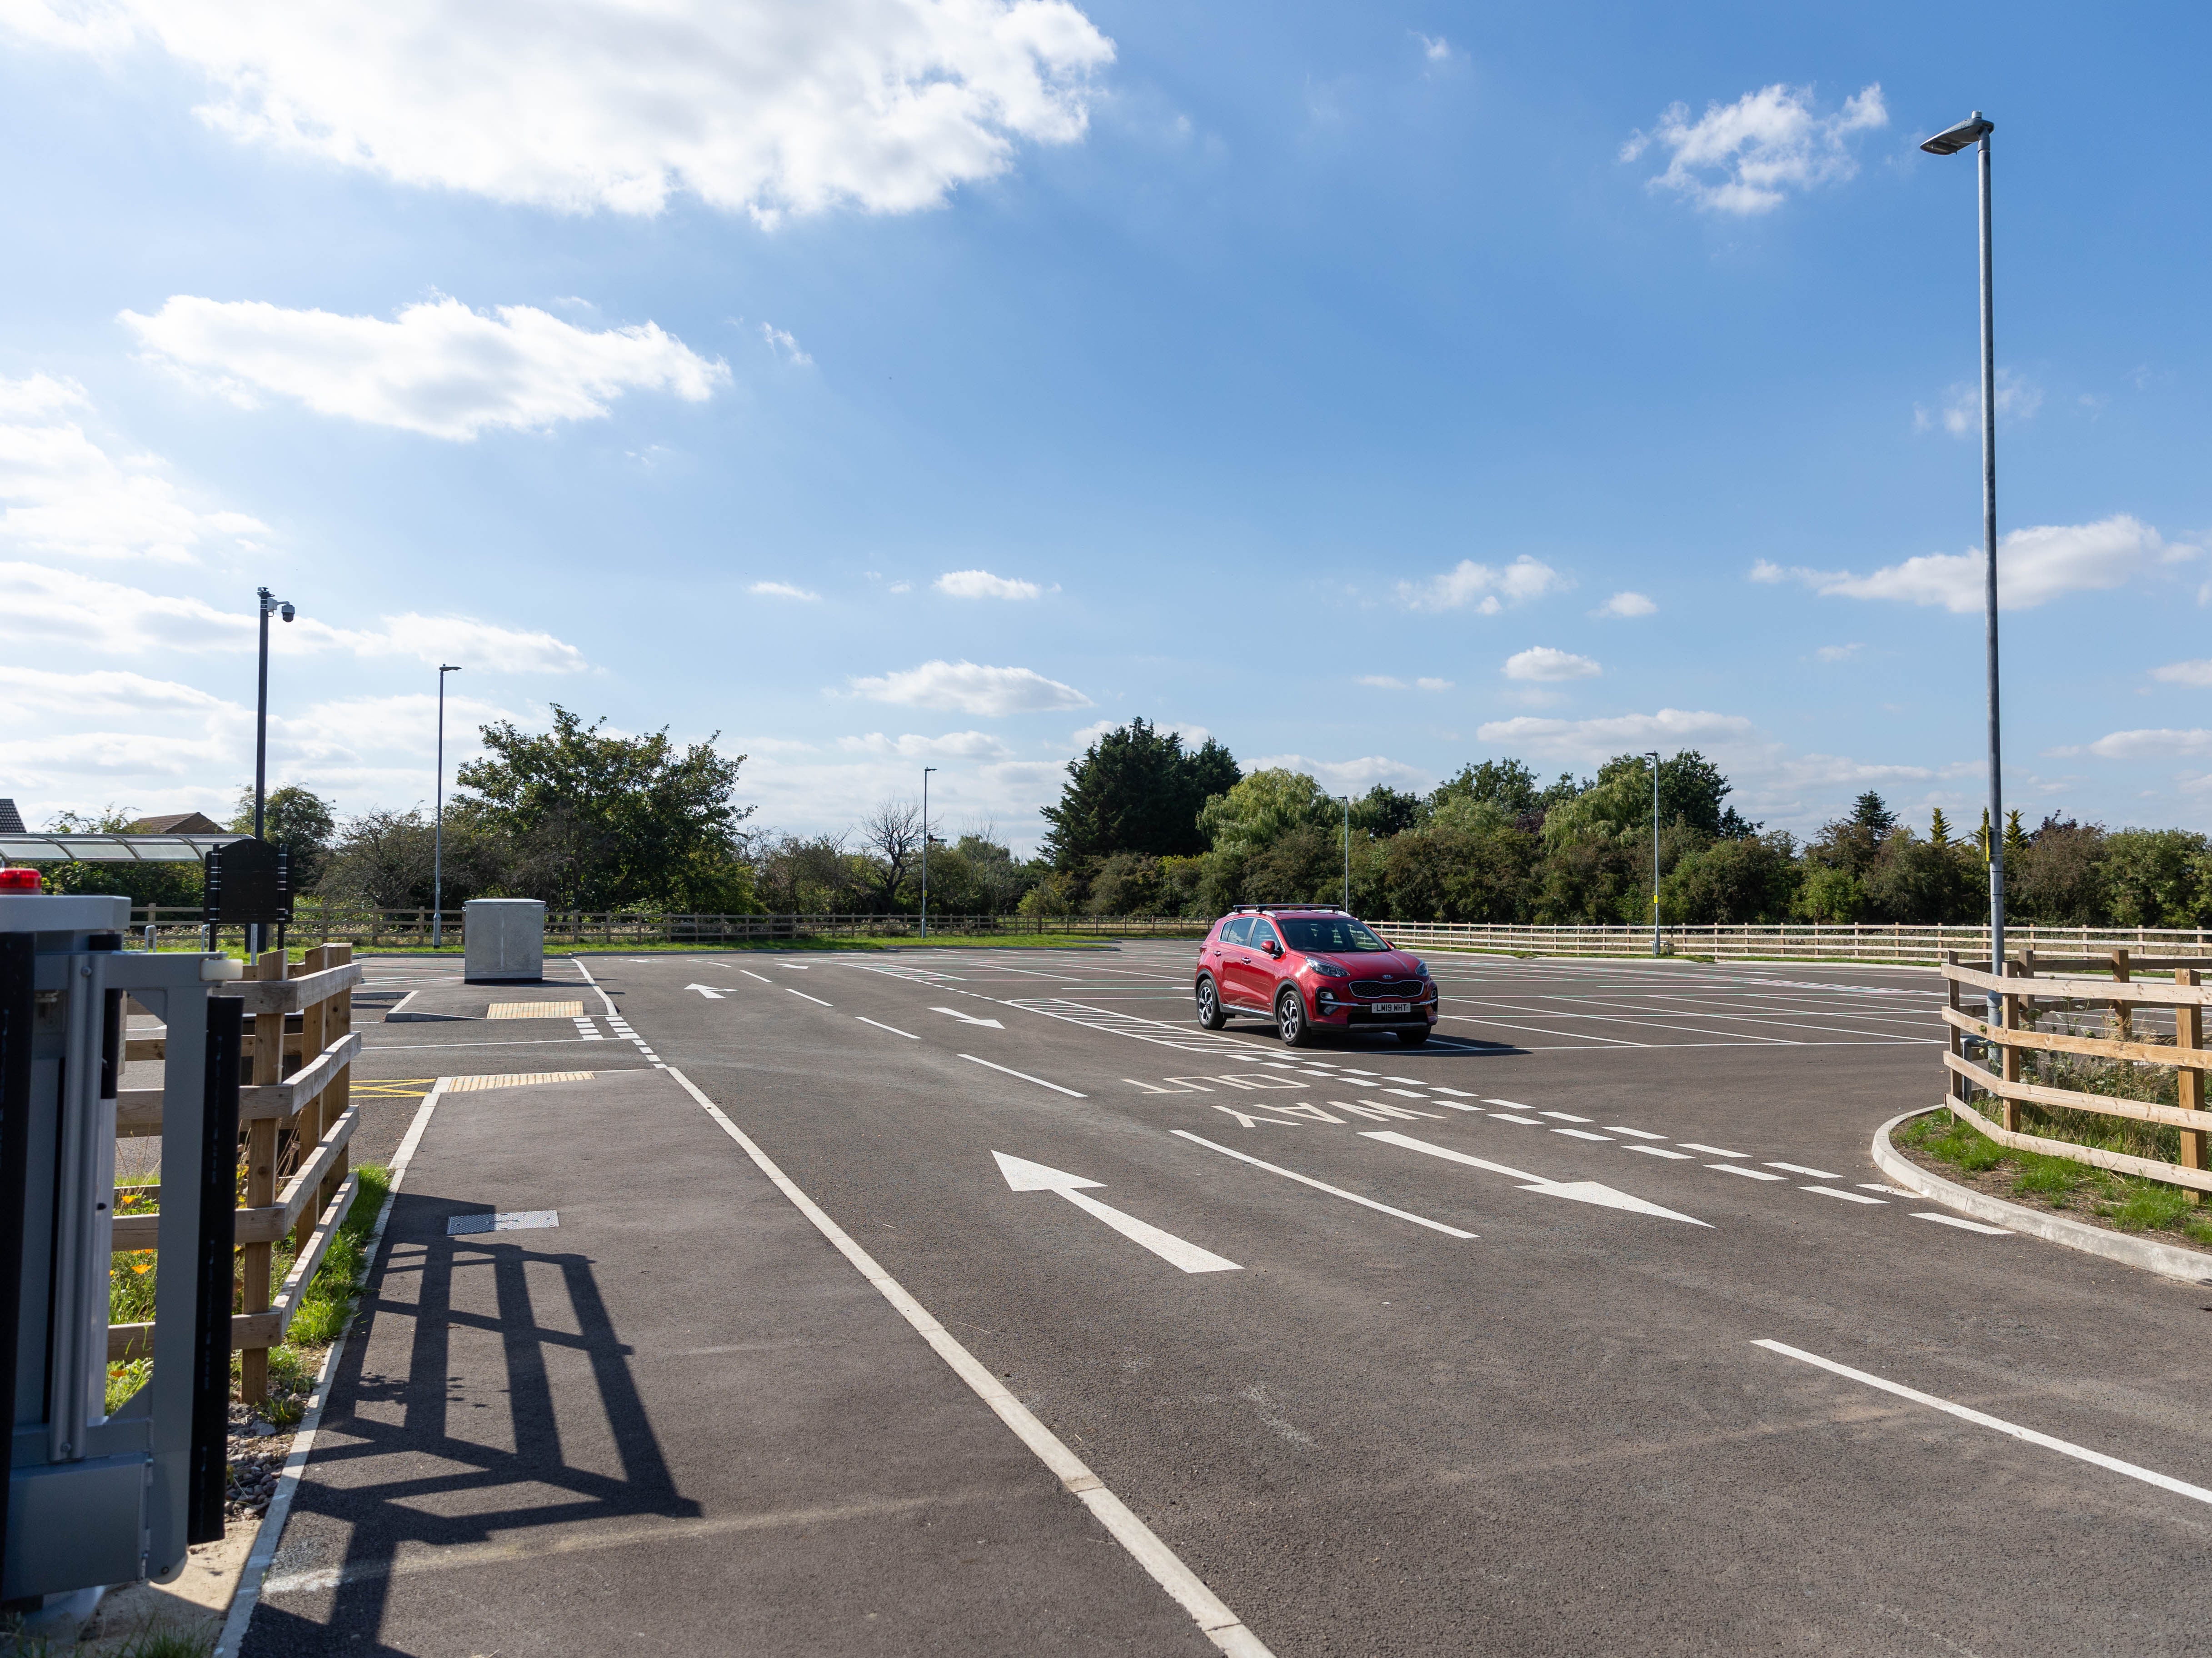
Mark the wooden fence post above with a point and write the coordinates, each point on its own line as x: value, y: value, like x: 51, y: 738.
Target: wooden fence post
x: 260, y: 1180
x: 314, y: 1117
x: 1957, y: 1088
x: 2009, y: 1110
x: 2189, y: 1033
x: 2122, y: 1013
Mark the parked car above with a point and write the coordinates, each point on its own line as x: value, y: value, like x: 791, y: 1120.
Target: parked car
x: 1310, y: 967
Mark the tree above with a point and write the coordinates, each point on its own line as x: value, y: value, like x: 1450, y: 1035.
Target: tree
x: 1871, y: 813
x: 997, y: 878
x: 1731, y: 880
x: 2156, y: 877
x: 297, y: 819
x: 147, y: 883
x: 1136, y: 790
x: 383, y: 860
x: 594, y: 821
x: 892, y: 837
x: 1509, y: 785
x: 1384, y: 811
x: 1260, y: 809
x: 1939, y: 830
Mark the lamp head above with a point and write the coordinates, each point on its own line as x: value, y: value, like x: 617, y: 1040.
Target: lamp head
x: 449, y: 667
x: 1967, y: 133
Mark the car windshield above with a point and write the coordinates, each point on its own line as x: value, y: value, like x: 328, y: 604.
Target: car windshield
x: 1332, y: 933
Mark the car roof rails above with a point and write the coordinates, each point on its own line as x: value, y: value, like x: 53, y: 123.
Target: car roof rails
x: 1268, y: 909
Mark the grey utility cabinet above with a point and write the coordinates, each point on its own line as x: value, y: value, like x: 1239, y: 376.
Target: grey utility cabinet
x: 503, y: 941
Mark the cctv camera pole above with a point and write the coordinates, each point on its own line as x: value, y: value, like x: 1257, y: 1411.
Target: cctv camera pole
x: 438, y: 834
x: 925, y: 770
x: 1653, y: 755
x: 261, y: 744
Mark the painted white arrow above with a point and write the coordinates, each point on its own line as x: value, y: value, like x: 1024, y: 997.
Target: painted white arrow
x: 1580, y: 1191
x: 711, y: 995
x: 1026, y: 1176
x: 968, y: 1018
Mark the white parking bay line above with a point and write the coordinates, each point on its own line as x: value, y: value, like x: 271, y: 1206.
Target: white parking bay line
x: 1658, y: 1151
x: 1635, y: 1133
x: 1458, y: 1093
x: 1507, y: 1116
x: 1799, y: 1169
x: 1563, y: 1116
x: 1322, y: 1185
x: 1511, y: 1105
x: 893, y: 1029
x: 1838, y: 1192
x: 1026, y: 1078
x: 750, y: 974
x: 1876, y: 1185
x: 804, y: 997
x: 1963, y: 1225
x: 1710, y: 1151
x: 1402, y: 1093
x: 1584, y: 1134
x: 1748, y: 1174
x: 2064, y: 1447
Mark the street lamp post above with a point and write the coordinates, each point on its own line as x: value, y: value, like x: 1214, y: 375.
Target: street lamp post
x: 438, y: 834
x: 925, y: 770
x: 1975, y: 130
x: 1653, y: 755
x: 1347, y: 852
x: 283, y: 608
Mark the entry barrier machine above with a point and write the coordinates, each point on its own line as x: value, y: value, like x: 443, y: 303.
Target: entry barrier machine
x: 95, y: 1498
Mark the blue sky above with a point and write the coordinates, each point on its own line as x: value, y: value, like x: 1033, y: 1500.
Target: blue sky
x: 886, y: 384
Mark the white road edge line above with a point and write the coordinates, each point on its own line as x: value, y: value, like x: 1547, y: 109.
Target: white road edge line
x: 1322, y: 1185
x: 1026, y: 1078
x: 401, y: 1002
x: 1962, y: 1224
x: 614, y: 1013
x: 2064, y: 1447
x: 1220, y: 1625
x: 893, y: 1029
x: 266, y: 1542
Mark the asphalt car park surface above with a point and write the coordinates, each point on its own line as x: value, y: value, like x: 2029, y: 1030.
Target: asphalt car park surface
x: 1454, y: 1348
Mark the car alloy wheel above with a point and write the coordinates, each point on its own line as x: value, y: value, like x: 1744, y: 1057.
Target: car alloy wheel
x: 1291, y: 1020
x: 1209, y: 1005
x: 1414, y: 1038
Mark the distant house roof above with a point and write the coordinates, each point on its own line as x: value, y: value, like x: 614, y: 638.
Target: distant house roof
x: 11, y: 821
x: 179, y: 822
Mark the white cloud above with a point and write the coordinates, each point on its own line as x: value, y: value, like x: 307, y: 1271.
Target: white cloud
x: 780, y: 590
x: 1600, y: 739
x: 748, y: 104
x: 1383, y: 682
x: 1485, y: 586
x: 31, y: 696
x: 1434, y: 684
x: 1193, y: 737
x: 2149, y: 744
x: 955, y: 745
x: 1435, y: 48
x: 2198, y: 673
x: 1353, y: 777
x: 1541, y: 662
x: 972, y: 689
x: 981, y: 584
x: 60, y: 493
x: 781, y: 342
x: 1837, y: 653
x: 439, y: 368
x: 2034, y: 566
x: 1745, y: 157
x: 1768, y: 571
x: 2018, y: 398
x: 63, y: 607
x: 1625, y: 605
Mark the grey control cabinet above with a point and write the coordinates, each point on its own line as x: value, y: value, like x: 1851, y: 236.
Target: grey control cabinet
x: 93, y: 1498
x: 503, y: 941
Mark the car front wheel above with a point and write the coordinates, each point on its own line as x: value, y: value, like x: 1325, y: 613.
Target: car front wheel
x: 1291, y: 1020
x: 1414, y: 1038
x: 1209, y: 1005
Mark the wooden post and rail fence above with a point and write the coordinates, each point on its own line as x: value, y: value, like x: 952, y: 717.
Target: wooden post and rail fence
x: 1989, y: 1090
x: 295, y: 1117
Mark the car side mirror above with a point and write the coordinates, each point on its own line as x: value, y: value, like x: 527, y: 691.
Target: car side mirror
x: 1274, y: 948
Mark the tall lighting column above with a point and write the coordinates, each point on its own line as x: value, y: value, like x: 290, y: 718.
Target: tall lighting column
x: 1347, y: 852
x: 269, y: 603
x: 438, y: 834
x: 1652, y: 755
x: 925, y: 770
x: 1975, y: 130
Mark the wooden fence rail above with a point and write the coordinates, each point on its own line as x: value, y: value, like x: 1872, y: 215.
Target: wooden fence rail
x: 2027, y: 995
x: 411, y: 928
x: 294, y: 1128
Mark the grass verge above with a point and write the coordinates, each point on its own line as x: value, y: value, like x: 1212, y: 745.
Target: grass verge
x: 1951, y: 1146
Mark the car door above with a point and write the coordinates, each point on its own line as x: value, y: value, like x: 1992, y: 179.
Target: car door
x: 1234, y: 969
x: 1261, y: 965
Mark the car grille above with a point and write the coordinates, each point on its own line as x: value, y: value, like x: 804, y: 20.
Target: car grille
x: 1405, y: 989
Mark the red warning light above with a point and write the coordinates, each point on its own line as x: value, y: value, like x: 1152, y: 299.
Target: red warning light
x: 18, y: 880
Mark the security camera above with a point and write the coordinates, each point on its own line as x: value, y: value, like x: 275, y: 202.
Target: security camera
x: 285, y: 610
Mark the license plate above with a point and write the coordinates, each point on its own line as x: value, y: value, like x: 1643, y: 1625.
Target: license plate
x: 1390, y: 1007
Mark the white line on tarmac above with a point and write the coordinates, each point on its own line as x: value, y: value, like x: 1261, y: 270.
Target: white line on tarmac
x: 750, y: 974
x: 1748, y: 1174
x: 1838, y: 1192
x: 1026, y: 1078
x: 1658, y: 1151
x: 1212, y: 1614
x: 1963, y: 1225
x: 1563, y: 1116
x: 1507, y: 1116
x: 1709, y: 1150
x: 2064, y: 1447
x: 1635, y: 1133
x: 1322, y: 1185
x: 804, y: 997
x: 1799, y: 1169
x: 893, y: 1029
x: 1584, y: 1134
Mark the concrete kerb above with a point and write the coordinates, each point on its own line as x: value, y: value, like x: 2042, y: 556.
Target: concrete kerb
x: 2167, y: 1260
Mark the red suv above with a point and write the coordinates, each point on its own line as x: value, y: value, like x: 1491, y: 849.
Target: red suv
x: 1311, y: 968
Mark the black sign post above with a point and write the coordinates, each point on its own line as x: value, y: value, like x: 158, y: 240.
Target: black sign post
x: 249, y: 884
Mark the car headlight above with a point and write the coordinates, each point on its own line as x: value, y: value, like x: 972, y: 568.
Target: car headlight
x: 1327, y: 969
